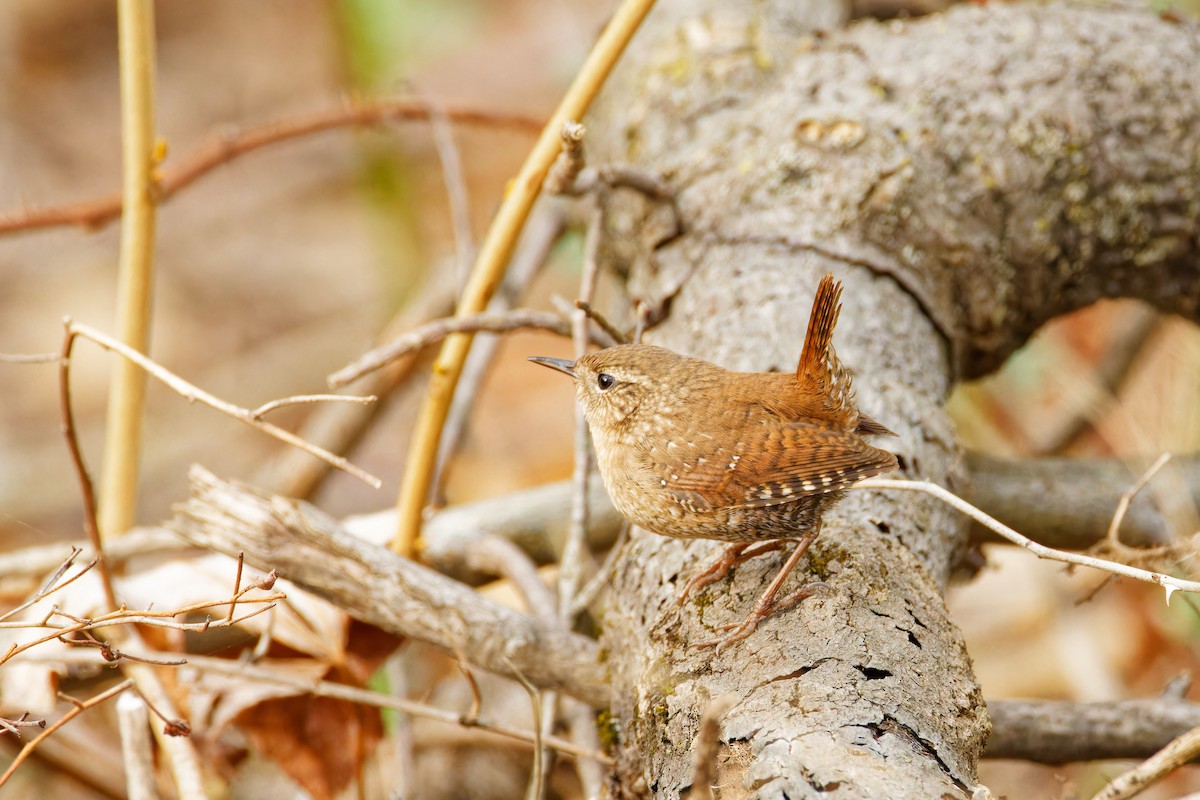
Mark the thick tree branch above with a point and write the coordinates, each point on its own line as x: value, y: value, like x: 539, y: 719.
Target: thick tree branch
x: 1051, y: 732
x: 380, y: 588
x: 962, y: 207
x: 1043, y: 731
x: 1069, y: 502
x: 1060, y: 502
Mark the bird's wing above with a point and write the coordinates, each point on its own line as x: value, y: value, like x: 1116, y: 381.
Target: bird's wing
x: 774, y: 464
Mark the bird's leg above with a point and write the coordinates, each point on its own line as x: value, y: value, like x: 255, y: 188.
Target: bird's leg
x: 767, y: 605
x: 722, y: 564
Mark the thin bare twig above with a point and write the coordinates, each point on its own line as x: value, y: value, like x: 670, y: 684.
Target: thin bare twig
x: 125, y: 616
x: 1170, y: 758
x: 233, y: 143
x: 87, y: 491
x: 476, y: 697
x: 52, y: 584
x: 14, y: 726
x: 237, y: 585
x: 71, y: 714
x: 592, y: 588
x: 614, y: 176
x: 304, y: 399
x: 172, y: 726
x: 456, y: 187
x: 1169, y: 584
x: 575, y: 551
x: 570, y: 161
x: 338, y: 428
x: 1112, y: 544
x: 537, y: 773
x: 320, y: 688
x: 193, y: 393
x: 1113, y: 537
x: 502, y: 322
x: 602, y: 321
x: 28, y: 358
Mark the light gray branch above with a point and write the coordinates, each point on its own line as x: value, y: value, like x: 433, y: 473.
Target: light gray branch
x: 378, y: 587
x: 968, y: 176
x: 1051, y: 732
x: 1068, y: 503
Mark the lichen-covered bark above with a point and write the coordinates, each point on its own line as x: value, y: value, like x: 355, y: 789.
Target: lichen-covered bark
x: 968, y: 176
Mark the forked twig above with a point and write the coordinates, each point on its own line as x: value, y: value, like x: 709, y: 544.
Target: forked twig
x: 367, y: 697
x: 602, y: 321
x: 1112, y: 539
x: 1179, y: 752
x: 78, y: 708
x: 193, y: 393
x: 1169, y: 584
x: 52, y: 585
x: 425, y: 335
x: 14, y: 726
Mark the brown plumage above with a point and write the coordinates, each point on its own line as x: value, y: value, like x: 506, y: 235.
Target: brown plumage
x: 692, y: 450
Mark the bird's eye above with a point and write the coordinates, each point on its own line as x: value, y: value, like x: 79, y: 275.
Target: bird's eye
x: 605, y: 381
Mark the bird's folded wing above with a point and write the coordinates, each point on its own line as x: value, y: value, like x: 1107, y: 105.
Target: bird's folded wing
x: 772, y: 465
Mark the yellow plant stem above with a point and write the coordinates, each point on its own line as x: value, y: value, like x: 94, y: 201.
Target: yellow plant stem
x: 135, y: 277
x: 490, y: 264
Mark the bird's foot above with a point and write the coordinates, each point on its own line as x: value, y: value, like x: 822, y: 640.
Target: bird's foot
x: 765, y: 607
x: 723, y: 564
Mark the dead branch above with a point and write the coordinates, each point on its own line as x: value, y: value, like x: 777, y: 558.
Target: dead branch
x: 193, y: 393
x: 232, y: 143
x: 1059, y: 732
x: 1069, y: 502
x: 77, y: 709
x: 1169, y: 583
x: 382, y: 589
x: 1026, y: 494
x: 53, y: 583
x: 338, y: 428
x: 490, y: 322
x: 1179, y: 752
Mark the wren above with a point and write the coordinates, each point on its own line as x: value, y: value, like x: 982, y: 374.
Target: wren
x: 692, y: 450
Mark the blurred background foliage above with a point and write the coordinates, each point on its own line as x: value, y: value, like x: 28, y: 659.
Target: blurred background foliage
x: 282, y: 266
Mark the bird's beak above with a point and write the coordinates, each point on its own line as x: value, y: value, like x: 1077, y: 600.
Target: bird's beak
x: 560, y: 364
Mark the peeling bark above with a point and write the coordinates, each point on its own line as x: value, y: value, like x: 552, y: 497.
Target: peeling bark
x: 969, y: 176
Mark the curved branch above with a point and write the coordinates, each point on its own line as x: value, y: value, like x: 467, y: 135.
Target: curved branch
x: 233, y: 143
x: 380, y: 588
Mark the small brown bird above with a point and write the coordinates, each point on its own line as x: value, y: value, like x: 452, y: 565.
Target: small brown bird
x: 692, y: 450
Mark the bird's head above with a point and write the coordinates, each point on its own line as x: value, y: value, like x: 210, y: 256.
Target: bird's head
x: 614, y: 384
